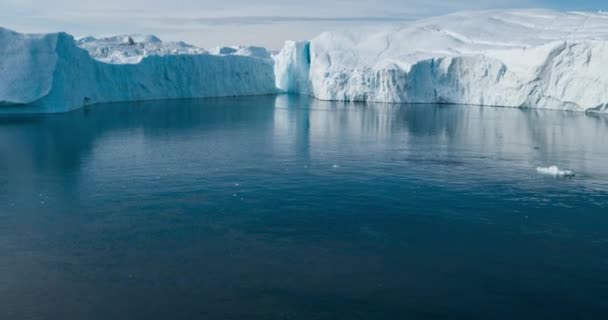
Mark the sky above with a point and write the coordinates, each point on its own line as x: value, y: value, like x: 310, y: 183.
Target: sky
x: 267, y: 23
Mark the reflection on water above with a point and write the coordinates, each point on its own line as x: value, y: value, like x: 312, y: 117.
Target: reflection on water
x: 290, y: 208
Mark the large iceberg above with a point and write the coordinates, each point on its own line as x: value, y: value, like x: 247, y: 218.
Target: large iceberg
x: 517, y: 58
x: 56, y: 73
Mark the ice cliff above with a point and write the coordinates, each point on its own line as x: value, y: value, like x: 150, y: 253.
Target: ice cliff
x: 518, y: 58
x: 56, y: 73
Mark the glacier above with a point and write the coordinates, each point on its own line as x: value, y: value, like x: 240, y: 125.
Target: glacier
x: 530, y: 58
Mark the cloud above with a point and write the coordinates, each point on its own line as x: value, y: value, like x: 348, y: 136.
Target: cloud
x: 207, y: 8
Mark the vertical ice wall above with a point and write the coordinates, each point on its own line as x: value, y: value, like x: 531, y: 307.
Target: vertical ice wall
x: 27, y: 63
x: 292, y: 67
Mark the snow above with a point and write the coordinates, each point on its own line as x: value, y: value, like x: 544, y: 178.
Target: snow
x: 133, y: 48
x: 555, y: 171
x: 247, y: 51
x: 518, y: 58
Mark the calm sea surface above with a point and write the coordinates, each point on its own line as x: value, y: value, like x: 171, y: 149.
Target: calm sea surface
x: 291, y: 208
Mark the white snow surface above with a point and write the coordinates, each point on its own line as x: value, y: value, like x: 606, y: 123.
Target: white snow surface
x: 133, y: 48
x: 555, y: 171
x: 518, y: 58
x: 247, y: 51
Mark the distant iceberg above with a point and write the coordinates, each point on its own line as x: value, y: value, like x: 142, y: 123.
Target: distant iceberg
x: 555, y: 171
x: 517, y: 58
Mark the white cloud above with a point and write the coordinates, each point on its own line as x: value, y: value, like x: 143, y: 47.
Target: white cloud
x: 206, y: 8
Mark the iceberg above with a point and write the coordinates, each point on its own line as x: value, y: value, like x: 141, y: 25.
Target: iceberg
x: 514, y: 58
x: 555, y: 171
x: 57, y: 73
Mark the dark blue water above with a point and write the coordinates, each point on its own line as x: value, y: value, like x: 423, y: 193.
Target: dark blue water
x: 288, y: 208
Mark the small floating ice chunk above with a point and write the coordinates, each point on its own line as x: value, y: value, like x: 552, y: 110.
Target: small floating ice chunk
x: 555, y: 171
x: 335, y: 166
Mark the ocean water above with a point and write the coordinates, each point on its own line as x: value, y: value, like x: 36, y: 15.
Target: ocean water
x: 290, y: 208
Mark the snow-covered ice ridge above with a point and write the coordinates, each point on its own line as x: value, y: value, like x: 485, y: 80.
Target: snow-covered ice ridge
x: 518, y: 58
x: 57, y: 73
x: 133, y: 48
